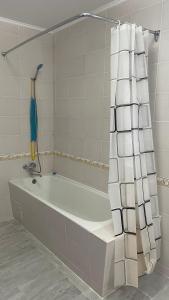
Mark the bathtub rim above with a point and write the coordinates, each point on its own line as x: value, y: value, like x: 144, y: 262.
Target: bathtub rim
x: 15, y: 181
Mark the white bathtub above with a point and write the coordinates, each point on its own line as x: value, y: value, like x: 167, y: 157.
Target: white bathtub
x: 73, y: 221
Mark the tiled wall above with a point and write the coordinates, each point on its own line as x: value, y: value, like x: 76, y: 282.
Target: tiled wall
x: 82, y: 99
x: 15, y: 73
x: 82, y: 89
x: 82, y: 95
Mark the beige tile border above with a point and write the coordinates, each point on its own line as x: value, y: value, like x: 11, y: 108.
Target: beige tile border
x: 82, y: 160
x: 161, y: 180
x: 22, y: 155
x: 59, y: 154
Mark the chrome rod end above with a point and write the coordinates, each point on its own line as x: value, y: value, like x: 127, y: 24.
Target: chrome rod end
x: 85, y: 14
x: 156, y: 35
x: 3, y: 54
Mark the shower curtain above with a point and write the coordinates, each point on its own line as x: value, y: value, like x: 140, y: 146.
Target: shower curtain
x: 132, y: 183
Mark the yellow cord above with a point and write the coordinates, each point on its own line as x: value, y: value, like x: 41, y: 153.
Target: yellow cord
x: 33, y: 150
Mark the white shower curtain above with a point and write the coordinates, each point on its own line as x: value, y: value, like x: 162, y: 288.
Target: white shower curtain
x: 132, y: 175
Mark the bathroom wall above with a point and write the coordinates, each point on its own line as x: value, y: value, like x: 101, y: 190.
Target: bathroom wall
x: 15, y: 73
x: 82, y: 91
x: 82, y: 96
x: 82, y: 99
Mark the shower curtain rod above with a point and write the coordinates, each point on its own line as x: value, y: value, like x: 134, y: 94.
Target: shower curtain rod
x: 69, y: 20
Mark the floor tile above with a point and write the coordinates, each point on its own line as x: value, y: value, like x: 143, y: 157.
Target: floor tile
x: 163, y: 295
x: 128, y: 293
x: 29, y: 273
x: 152, y: 284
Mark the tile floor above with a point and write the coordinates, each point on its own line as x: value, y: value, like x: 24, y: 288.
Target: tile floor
x: 29, y: 272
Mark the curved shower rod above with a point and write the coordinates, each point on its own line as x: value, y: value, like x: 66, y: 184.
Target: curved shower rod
x: 70, y: 20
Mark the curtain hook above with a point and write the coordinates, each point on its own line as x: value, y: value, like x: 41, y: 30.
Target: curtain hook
x: 118, y: 22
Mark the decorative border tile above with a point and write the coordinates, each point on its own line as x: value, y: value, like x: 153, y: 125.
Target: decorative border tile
x: 59, y: 154
x: 82, y: 160
x: 22, y: 155
x: 163, y: 181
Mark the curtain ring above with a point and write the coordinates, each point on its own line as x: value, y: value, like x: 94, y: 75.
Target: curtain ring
x: 118, y: 23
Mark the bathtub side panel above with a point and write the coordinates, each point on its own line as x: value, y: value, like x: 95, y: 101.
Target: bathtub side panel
x: 15, y: 203
x: 41, y: 220
x: 88, y: 254
x: 108, y: 285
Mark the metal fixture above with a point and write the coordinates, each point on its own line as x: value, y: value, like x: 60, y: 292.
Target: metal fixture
x: 34, y: 181
x: 156, y: 35
x: 31, y: 169
x: 54, y: 173
x: 70, y: 20
x: 40, y: 66
x: 34, y: 119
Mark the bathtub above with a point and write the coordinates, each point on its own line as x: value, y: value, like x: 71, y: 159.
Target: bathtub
x: 73, y: 221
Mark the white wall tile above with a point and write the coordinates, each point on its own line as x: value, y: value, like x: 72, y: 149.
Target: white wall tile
x: 47, y: 164
x: 94, y: 86
x: 153, y: 54
x: 162, y: 108
x: 76, y: 146
x: 15, y: 73
x: 10, y: 86
x: 9, y: 107
x: 162, y: 162
x: 95, y: 34
x: 164, y: 44
x: 9, y: 125
x: 152, y: 75
x: 10, y: 144
x: 76, y: 87
x: 95, y: 61
x: 164, y: 199
x: 160, y: 130
x: 61, y: 127
x: 34, y: 53
x: 45, y: 124
x: 164, y: 260
x: 44, y: 90
x: 165, y: 12
x: 71, y: 66
x: 61, y: 87
x: 9, y: 66
x: 91, y: 176
x: 165, y: 226
x: 152, y: 98
x: 162, y: 77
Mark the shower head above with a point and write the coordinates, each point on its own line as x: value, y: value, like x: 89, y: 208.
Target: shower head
x: 40, y: 66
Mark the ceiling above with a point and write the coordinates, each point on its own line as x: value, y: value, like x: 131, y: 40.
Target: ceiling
x: 45, y: 13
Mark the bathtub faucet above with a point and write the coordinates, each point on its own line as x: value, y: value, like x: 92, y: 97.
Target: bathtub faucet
x: 31, y: 169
